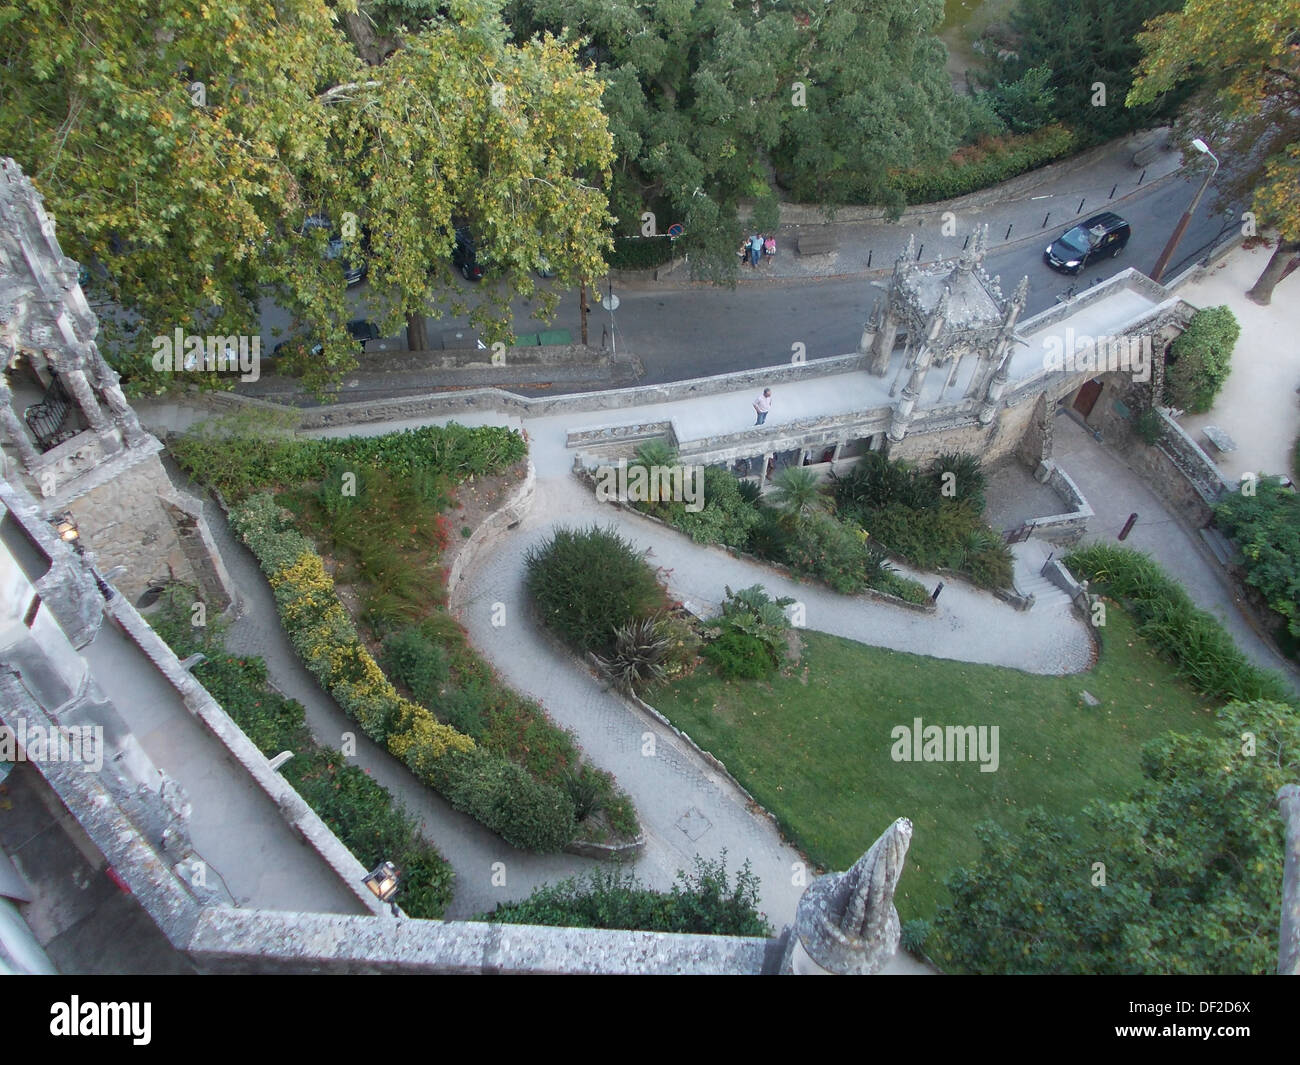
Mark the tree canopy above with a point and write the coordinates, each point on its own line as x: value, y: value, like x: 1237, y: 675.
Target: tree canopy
x: 1083, y: 44
x: 710, y: 101
x: 1246, y: 56
x: 182, y: 146
x: 1180, y: 877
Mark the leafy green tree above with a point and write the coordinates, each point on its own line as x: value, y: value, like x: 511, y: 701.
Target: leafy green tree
x: 1267, y: 526
x: 1245, y: 57
x: 1026, y: 104
x: 1083, y: 43
x: 182, y: 149
x: 707, y: 99
x: 1191, y: 860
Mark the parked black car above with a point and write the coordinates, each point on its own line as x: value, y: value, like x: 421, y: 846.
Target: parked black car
x: 1102, y: 234
x: 464, y: 254
x: 360, y: 329
x: 354, y: 271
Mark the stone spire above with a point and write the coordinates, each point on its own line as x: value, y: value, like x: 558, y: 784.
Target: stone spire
x: 846, y: 922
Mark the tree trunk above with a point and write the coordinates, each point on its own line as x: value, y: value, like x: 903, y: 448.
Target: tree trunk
x: 416, y: 337
x: 1262, y: 291
x: 360, y: 30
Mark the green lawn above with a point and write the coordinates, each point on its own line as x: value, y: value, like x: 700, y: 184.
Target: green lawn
x: 814, y: 746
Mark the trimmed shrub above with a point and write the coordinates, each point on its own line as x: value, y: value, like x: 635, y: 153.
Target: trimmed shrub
x: 832, y: 551
x: 524, y: 812
x: 587, y: 583
x: 1199, y: 360
x: 738, y: 655
x: 1200, y: 648
x: 893, y: 583
x: 704, y: 902
x: 727, y: 518
x: 991, y: 161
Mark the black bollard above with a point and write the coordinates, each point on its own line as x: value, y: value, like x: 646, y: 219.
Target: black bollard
x: 1128, y: 527
x: 934, y: 596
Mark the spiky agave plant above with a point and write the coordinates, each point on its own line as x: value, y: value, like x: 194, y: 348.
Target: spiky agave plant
x: 638, y: 656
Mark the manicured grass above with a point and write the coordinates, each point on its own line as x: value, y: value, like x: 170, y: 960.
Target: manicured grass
x: 814, y: 746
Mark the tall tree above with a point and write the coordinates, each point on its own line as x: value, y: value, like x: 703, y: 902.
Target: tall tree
x: 1246, y: 54
x: 707, y: 99
x: 1090, y: 48
x: 183, y: 145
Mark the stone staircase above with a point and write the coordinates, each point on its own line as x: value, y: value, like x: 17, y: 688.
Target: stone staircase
x: 1027, y: 575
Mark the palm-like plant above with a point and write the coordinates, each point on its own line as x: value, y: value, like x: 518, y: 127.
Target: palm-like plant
x: 797, y: 492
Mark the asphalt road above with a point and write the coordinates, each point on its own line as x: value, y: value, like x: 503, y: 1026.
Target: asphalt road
x: 686, y: 331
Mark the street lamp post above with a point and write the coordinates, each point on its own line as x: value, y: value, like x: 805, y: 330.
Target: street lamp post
x: 1179, y: 229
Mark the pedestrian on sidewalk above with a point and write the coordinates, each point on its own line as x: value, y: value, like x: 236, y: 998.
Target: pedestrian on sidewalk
x: 769, y: 248
x: 762, y: 405
x: 755, y: 249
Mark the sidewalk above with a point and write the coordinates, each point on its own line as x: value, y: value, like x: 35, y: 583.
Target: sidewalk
x: 1258, y: 406
x: 1015, y: 212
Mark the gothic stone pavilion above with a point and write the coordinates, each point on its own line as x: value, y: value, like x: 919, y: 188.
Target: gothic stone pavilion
x: 946, y: 363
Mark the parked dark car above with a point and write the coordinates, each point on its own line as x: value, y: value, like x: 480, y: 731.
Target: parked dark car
x: 464, y: 254
x: 360, y: 330
x: 1102, y: 234
x: 354, y: 270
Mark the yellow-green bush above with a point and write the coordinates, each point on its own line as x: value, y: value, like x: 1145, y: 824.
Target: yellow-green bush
x: 527, y: 813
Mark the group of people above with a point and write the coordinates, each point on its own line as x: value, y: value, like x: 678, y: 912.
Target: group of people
x: 756, y: 247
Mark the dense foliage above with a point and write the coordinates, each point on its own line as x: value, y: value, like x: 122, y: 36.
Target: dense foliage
x: 703, y: 99
x: 1241, y: 56
x: 1179, y: 878
x: 244, y: 461
x: 1057, y: 51
x: 1266, y: 525
x: 183, y: 158
x: 932, y: 518
x: 1197, y: 644
x: 703, y: 902
x: 748, y: 638
x: 359, y: 810
x: 1200, y: 358
x: 588, y: 583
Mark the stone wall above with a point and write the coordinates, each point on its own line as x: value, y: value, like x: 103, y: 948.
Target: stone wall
x: 494, y: 527
x: 1068, y: 527
x: 137, y: 519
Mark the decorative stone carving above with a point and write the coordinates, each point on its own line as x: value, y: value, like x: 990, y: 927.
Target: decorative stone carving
x: 846, y: 923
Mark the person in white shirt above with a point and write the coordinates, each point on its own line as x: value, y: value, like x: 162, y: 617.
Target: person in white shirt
x: 762, y: 405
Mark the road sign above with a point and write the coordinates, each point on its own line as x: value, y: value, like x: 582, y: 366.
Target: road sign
x: 676, y: 230
x: 610, y: 302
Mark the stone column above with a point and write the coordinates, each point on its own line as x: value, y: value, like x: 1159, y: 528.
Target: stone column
x: 882, y: 343
x: 1288, y: 946
x: 13, y: 426
x: 846, y: 923
x: 107, y: 380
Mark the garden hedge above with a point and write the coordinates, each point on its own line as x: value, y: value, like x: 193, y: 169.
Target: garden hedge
x: 525, y: 812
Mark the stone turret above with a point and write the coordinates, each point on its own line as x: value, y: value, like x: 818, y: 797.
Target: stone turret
x: 846, y: 923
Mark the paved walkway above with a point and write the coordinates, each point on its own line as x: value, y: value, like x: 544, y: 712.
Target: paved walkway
x: 1258, y: 406
x: 686, y: 806
x: 1115, y: 491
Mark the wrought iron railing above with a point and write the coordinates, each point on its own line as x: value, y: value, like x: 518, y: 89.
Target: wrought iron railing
x: 49, y: 419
